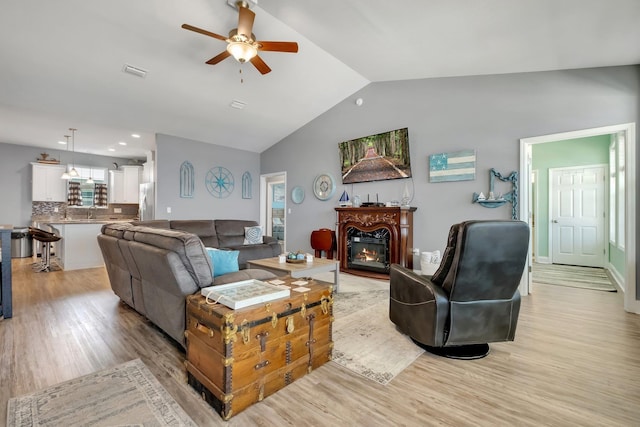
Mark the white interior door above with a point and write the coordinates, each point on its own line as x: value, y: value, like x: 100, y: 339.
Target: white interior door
x: 578, y: 215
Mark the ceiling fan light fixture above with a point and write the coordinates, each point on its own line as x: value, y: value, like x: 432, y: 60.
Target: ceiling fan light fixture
x: 242, y: 51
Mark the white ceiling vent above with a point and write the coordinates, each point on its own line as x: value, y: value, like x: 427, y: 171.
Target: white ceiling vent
x: 239, y: 105
x: 136, y: 71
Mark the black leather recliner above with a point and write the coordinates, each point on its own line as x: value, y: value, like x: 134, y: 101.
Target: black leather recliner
x: 472, y: 299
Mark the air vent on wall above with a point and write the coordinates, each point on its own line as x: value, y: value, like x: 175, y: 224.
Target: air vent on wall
x: 136, y: 71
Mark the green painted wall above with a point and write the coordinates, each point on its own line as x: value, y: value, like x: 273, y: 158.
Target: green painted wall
x: 616, y: 259
x: 573, y: 152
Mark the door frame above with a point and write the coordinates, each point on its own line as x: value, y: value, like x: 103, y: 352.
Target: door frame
x: 605, y: 193
x: 534, y: 214
x: 264, y: 182
x: 630, y: 286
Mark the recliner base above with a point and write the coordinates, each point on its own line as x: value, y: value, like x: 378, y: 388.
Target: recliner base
x: 463, y: 352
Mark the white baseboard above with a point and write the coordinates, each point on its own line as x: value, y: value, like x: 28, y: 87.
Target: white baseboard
x: 617, y: 278
x: 543, y: 260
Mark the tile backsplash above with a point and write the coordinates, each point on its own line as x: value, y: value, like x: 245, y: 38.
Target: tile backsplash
x: 52, y: 209
x: 58, y: 210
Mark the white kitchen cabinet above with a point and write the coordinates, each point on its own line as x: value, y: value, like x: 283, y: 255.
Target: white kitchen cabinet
x: 116, y: 186
x: 47, y: 186
x: 124, y: 185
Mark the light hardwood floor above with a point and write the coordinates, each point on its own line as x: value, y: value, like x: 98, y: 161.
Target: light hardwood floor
x: 575, y: 362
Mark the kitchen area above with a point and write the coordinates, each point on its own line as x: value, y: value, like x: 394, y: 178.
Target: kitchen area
x: 75, y: 209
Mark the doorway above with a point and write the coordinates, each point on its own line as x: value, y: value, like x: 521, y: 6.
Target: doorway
x: 526, y: 166
x: 273, y: 190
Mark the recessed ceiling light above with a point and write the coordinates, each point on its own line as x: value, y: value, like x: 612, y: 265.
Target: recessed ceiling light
x: 239, y: 105
x: 62, y: 142
x: 135, y: 135
x: 111, y: 149
x: 136, y: 71
x: 122, y: 143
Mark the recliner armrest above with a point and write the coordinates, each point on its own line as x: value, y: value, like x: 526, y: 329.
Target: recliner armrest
x: 412, y: 288
x: 418, y: 306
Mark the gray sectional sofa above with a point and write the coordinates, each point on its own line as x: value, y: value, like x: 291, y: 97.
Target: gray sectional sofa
x: 153, y: 265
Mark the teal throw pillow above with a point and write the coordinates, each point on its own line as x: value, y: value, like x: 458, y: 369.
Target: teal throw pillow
x: 223, y: 261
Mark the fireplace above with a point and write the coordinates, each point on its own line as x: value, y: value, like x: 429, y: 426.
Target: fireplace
x: 372, y: 238
x: 368, y: 251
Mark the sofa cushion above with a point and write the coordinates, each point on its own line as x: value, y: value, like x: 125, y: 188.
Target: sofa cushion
x: 187, y: 246
x: 116, y: 229
x: 251, y: 252
x: 205, y: 229
x: 253, y: 235
x: 223, y: 262
x: 156, y: 223
x: 231, y: 231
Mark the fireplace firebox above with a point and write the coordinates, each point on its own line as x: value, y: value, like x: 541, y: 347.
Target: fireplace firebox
x: 372, y: 238
x: 368, y: 250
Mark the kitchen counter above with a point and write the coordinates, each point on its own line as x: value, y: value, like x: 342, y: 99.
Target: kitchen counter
x: 84, y: 221
x: 78, y: 247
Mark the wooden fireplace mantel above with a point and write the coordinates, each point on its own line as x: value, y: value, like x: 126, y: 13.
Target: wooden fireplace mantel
x: 399, y: 222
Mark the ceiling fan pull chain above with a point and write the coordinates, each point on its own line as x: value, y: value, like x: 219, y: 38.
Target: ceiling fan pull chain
x: 241, y: 79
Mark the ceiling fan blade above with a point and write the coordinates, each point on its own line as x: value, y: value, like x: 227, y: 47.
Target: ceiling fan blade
x: 245, y: 21
x: 260, y: 65
x: 290, y: 47
x: 205, y: 32
x: 218, y: 58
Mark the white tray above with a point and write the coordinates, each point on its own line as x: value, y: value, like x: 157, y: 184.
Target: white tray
x: 242, y: 294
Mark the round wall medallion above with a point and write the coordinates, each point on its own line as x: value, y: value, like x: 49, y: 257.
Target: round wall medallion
x: 219, y: 182
x: 297, y: 195
x: 324, y: 186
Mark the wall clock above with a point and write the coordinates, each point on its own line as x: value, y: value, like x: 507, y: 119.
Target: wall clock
x: 219, y: 182
x: 324, y: 186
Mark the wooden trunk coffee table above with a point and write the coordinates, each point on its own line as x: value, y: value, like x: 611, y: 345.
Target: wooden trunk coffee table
x: 236, y: 358
x: 301, y: 270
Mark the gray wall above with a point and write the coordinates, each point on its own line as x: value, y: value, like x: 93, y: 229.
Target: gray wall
x: 172, y: 151
x: 486, y: 113
x: 15, y: 178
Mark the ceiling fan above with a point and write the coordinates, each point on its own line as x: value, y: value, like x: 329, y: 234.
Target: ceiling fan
x: 242, y: 43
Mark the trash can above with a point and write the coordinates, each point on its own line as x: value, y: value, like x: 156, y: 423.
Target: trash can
x: 21, y: 243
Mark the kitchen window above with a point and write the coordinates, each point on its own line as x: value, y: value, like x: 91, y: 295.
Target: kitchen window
x: 89, y: 188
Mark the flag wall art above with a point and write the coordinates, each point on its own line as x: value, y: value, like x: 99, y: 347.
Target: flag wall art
x: 455, y: 166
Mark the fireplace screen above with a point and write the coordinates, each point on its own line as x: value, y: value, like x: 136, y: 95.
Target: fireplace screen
x: 368, y: 250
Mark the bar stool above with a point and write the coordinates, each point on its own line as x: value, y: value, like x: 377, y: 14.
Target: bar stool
x: 46, y: 239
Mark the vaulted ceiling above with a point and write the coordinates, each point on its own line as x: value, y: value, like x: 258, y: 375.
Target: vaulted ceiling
x: 61, y: 62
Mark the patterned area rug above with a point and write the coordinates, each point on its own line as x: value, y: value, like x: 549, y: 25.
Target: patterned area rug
x: 572, y: 276
x: 365, y: 340
x: 126, y: 395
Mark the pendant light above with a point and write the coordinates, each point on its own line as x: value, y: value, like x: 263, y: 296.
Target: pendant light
x: 66, y: 175
x: 73, y: 173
